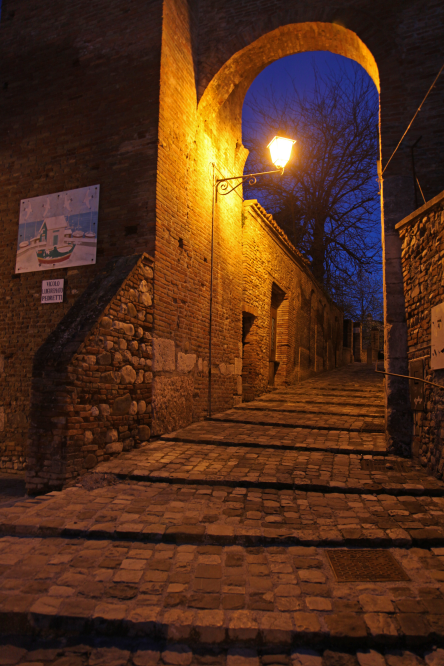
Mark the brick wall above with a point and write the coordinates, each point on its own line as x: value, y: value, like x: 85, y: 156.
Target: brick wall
x: 422, y: 238
x: 92, y: 379
x: 79, y: 90
x: 143, y: 98
x: 309, y: 325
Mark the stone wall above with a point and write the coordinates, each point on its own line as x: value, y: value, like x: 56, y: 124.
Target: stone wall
x: 309, y: 324
x: 92, y: 379
x: 422, y: 238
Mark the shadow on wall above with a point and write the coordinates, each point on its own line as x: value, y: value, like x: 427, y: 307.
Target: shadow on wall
x: 92, y: 378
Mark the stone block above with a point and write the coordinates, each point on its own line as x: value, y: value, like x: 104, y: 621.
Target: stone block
x: 172, y: 403
x: 242, y: 657
x: 128, y: 375
x: 122, y: 405
x: 372, y: 603
x: 104, y: 359
x: 185, y: 362
x: 90, y: 461
x: 164, y: 359
x: 114, y: 447
x: 381, y: 627
x: 305, y: 657
x: 144, y: 433
x: 370, y: 658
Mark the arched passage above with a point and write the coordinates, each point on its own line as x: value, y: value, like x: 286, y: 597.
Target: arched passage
x: 212, y: 139
x: 239, y: 72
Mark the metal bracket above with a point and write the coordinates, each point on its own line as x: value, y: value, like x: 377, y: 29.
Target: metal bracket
x: 222, y: 184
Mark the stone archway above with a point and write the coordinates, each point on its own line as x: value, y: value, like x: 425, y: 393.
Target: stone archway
x: 238, y: 73
x: 213, y: 136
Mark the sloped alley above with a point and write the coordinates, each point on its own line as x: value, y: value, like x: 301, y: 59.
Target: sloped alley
x: 222, y: 544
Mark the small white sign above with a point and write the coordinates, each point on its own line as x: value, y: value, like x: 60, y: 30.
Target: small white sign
x: 437, y: 351
x: 52, y: 291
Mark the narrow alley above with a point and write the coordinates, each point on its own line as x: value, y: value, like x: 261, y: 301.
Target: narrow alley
x: 278, y: 532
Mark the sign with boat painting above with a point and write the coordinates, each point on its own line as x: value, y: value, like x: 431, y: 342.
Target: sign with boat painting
x: 58, y: 230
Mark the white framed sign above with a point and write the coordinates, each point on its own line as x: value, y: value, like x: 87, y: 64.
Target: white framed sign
x: 58, y: 230
x: 52, y: 291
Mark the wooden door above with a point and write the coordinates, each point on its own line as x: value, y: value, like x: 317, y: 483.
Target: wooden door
x: 272, y: 356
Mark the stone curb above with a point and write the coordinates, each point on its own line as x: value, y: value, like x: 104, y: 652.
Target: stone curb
x: 227, y: 535
x: 373, y: 430
x: 73, y: 617
x: 284, y: 447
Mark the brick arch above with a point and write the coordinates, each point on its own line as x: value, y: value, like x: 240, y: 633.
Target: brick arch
x: 238, y: 73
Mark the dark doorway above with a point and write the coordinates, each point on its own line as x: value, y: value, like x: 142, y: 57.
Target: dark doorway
x: 272, y: 355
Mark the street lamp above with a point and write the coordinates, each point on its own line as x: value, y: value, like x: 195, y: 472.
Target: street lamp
x: 280, y: 151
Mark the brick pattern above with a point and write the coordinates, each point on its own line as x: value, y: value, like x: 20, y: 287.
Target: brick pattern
x: 307, y: 319
x: 422, y: 251
x: 79, y: 104
x: 92, y: 390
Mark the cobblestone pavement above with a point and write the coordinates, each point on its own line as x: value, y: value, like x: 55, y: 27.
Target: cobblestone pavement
x: 212, y: 545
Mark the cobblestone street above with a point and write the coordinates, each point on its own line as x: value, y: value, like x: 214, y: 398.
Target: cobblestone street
x: 217, y: 544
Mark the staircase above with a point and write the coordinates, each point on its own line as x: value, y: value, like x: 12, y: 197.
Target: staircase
x: 278, y: 532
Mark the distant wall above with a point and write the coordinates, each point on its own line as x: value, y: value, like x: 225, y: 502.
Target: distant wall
x: 309, y: 324
x: 422, y: 238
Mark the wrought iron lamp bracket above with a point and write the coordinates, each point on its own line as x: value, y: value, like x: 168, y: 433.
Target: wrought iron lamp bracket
x: 223, y: 184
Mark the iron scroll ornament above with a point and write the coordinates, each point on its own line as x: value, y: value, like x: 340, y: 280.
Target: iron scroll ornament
x: 223, y: 184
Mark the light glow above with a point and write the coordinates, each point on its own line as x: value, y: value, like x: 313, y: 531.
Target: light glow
x: 280, y: 150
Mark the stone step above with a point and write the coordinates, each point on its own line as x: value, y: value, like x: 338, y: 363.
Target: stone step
x: 216, y: 596
x: 300, y: 408
x: 292, y: 420
x: 153, y: 512
x: 251, y: 434
x: 248, y: 467
x: 139, y: 651
x: 303, y: 399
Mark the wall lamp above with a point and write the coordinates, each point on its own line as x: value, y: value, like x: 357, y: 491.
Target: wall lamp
x: 280, y: 150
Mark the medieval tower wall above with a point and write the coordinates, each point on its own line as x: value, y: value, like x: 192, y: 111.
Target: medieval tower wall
x: 146, y: 100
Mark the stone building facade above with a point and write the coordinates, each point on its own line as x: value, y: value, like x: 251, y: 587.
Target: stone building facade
x: 145, y: 99
x: 422, y: 238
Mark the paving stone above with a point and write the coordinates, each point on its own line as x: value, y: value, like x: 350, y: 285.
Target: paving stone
x: 305, y: 657
x: 213, y: 538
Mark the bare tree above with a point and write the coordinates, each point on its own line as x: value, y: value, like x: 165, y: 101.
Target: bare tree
x: 361, y: 297
x: 327, y: 202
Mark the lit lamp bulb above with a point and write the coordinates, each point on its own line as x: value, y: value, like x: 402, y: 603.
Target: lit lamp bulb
x: 280, y: 150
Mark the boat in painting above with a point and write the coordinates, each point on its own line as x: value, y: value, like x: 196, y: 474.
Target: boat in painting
x: 55, y: 256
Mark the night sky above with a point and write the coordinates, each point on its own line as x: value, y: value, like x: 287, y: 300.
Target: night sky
x: 299, y: 67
